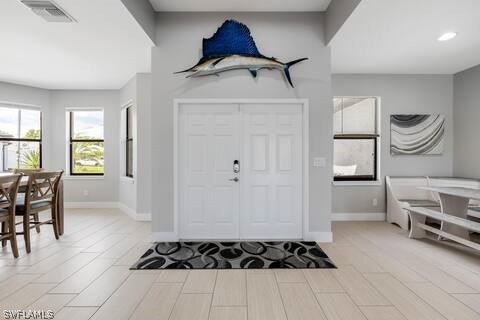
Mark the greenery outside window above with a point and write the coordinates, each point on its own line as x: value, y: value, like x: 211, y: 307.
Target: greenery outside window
x: 86, y: 142
x: 20, y: 138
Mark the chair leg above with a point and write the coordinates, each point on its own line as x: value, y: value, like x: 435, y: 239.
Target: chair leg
x: 37, y: 227
x: 54, y: 222
x: 26, y: 232
x: 13, y: 236
x: 4, y: 231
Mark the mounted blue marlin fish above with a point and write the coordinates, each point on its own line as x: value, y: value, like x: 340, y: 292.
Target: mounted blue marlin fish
x: 232, y: 47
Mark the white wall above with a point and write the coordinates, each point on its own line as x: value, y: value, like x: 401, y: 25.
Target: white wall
x: 135, y: 194
x: 127, y: 187
x: 144, y: 135
x: 109, y: 189
x: 143, y: 12
x: 285, y: 36
x: 399, y: 94
x: 54, y: 104
x: 100, y: 189
x: 337, y: 14
x: 466, y: 115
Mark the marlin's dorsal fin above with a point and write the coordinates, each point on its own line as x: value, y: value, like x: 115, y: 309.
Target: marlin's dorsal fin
x: 231, y: 38
x: 253, y: 72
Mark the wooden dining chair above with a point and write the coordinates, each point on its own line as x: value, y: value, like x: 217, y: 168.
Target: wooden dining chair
x: 8, y: 196
x: 27, y: 172
x: 41, y: 194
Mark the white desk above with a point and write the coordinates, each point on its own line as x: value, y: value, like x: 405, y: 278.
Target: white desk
x: 454, y: 201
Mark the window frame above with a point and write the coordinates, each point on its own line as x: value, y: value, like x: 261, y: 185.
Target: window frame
x: 360, y: 179
x: 19, y: 108
x: 72, y: 141
x: 129, y: 147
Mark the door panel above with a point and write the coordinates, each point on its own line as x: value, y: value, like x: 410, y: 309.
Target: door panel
x: 195, y: 205
x: 285, y: 153
x: 285, y: 198
x: 259, y: 206
x: 208, y: 145
x: 271, y: 180
x: 197, y: 153
x: 259, y: 152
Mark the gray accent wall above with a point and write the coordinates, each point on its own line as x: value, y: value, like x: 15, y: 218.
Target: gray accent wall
x: 135, y: 193
x: 399, y: 94
x: 54, y: 104
x: 142, y: 11
x: 18, y: 94
x: 466, y: 117
x: 127, y: 188
x: 179, y: 40
x: 336, y: 15
x: 144, y: 135
x: 102, y: 189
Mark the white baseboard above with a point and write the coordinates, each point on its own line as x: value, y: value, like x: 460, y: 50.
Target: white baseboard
x: 360, y: 216
x: 133, y: 214
x: 127, y: 210
x: 165, y: 236
x: 144, y: 217
x: 319, y: 236
x: 113, y: 205
x: 90, y: 205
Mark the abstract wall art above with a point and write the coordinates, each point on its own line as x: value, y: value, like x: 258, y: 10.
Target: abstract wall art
x: 232, y: 47
x: 417, y: 134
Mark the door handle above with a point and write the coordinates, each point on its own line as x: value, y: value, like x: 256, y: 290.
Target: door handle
x: 236, y: 166
x: 236, y: 179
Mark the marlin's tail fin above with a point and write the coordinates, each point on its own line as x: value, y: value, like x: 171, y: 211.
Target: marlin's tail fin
x: 287, y: 66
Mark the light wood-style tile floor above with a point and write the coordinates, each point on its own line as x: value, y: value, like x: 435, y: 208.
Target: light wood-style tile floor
x: 382, y: 275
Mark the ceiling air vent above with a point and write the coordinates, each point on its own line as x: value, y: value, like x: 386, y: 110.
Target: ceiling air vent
x: 48, y: 10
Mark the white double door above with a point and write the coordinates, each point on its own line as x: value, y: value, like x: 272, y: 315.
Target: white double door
x: 261, y: 198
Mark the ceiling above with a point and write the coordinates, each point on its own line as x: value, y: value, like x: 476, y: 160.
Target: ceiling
x: 240, y: 5
x: 107, y: 46
x: 391, y: 36
x: 102, y: 51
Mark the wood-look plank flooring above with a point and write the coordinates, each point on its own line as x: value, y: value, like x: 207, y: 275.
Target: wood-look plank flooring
x: 381, y: 275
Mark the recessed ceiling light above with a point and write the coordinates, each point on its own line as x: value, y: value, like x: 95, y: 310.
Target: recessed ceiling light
x: 447, y: 36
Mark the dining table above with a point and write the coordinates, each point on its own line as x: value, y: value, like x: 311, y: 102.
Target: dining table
x: 60, y: 199
x: 454, y: 201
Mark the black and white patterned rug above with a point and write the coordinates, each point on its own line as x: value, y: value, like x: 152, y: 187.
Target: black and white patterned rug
x: 234, y: 255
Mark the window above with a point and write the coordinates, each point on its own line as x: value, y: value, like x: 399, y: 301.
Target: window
x: 129, y: 132
x: 86, y: 142
x: 356, y: 138
x: 20, y: 138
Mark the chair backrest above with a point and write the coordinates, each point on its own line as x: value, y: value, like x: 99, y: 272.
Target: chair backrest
x: 27, y: 171
x: 8, y: 191
x: 42, y: 186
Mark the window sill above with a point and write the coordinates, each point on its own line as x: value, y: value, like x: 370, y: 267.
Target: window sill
x: 84, y: 177
x: 357, y: 183
x: 127, y: 179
